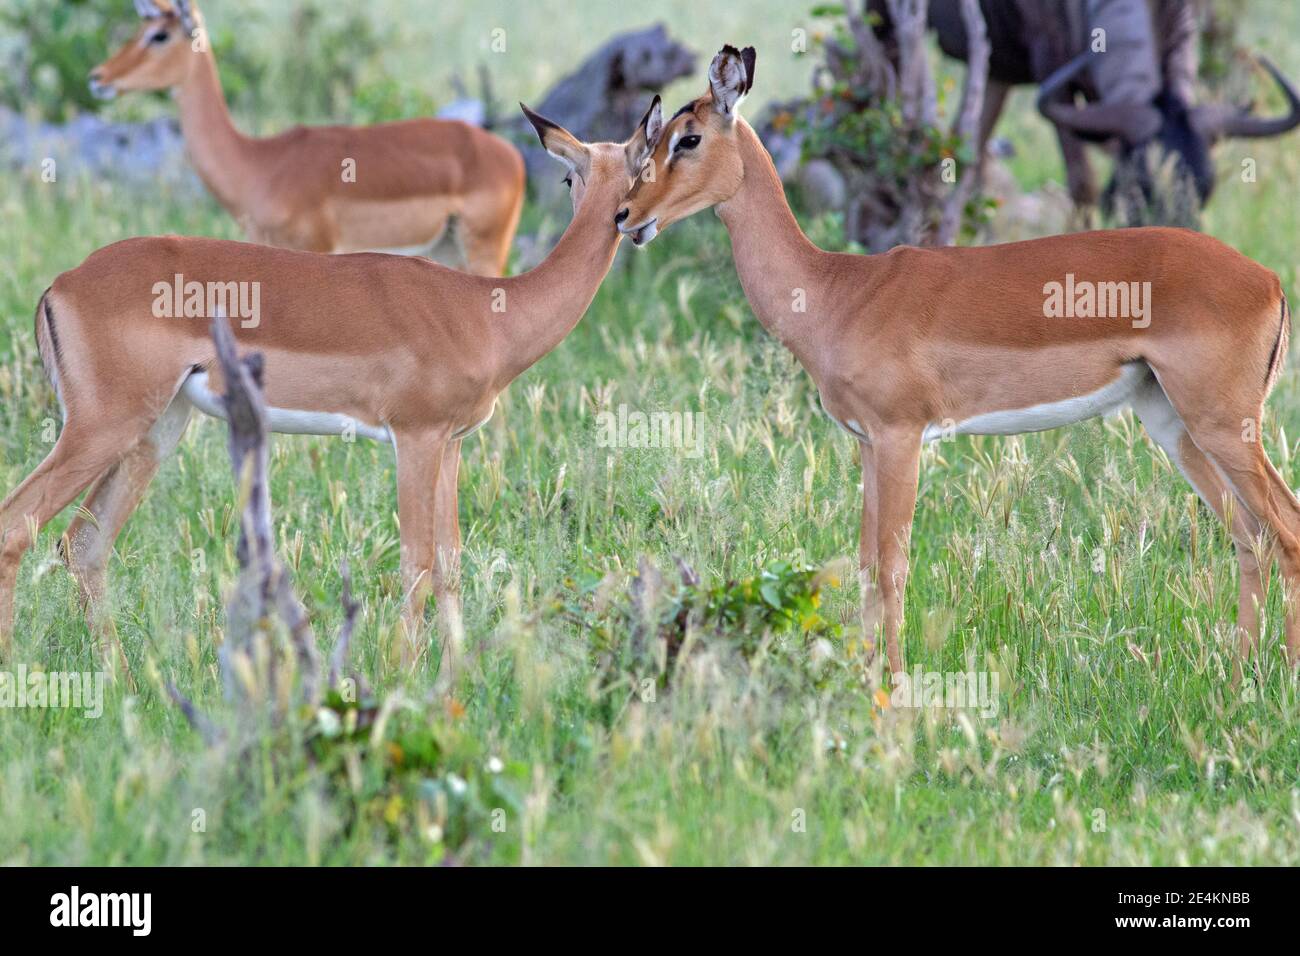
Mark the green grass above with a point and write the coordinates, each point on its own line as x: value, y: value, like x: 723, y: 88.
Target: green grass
x: 1075, y: 564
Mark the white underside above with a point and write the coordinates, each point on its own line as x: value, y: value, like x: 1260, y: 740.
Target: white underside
x: 1111, y: 398
x: 286, y: 421
x: 1128, y: 386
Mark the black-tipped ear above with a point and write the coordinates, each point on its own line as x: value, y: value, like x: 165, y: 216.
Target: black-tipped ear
x: 645, y: 137
x: 540, y: 123
x: 729, y: 80
x: 749, y: 55
x: 652, y: 124
x: 560, y: 143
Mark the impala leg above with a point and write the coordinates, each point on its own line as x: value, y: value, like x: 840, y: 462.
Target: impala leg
x: 109, y: 503
x: 78, y: 457
x: 897, y: 461
x: 1251, y: 475
x: 419, y: 458
x: 446, y: 560
x: 869, y: 553
x: 487, y: 230
x: 1167, y: 430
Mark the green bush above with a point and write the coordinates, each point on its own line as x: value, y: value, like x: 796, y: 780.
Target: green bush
x: 54, y: 48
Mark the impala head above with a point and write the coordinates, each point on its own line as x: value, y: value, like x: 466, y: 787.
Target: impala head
x: 589, y: 164
x: 697, y: 163
x: 158, y: 57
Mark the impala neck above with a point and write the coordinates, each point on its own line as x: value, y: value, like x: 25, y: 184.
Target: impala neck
x: 545, y: 304
x: 778, y: 266
x: 219, y: 152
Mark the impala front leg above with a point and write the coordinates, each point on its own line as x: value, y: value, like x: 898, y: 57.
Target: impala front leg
x: 419, y: 459
x: 446, y: 561
x: 869, y: 553
x: 896, y: 456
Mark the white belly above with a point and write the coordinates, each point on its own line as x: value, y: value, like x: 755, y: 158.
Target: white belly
x: 1037, y: 418
x: 284, y: 420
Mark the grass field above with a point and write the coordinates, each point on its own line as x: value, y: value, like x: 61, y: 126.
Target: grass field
x: 1076, y: 565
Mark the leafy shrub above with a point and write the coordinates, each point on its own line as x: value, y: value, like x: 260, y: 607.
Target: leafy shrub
x: 419, y: 780
x: 640, y: 624
x: 49, y: 50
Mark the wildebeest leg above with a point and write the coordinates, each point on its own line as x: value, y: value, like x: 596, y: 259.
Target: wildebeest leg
x: 1078, y: 176
x: 995, y: 97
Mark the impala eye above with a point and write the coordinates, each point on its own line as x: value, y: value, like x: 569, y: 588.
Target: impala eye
x: 568, y: 181
x: 687, y: 142
x: 160, y: 37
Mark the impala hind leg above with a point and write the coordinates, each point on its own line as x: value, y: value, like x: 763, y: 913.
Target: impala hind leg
x: 109, y: 503
x: 1254, y: 554
x: 486, y: 233
x: 1246, y: 468
x: 78, y: 458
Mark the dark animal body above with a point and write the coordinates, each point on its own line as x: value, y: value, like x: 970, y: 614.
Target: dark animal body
x: 1137, y: 88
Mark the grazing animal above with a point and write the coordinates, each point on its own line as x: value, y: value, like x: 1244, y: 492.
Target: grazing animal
x: 1140, y: 90
x: 392, y: 187
x: 395, y: 348
x: 914, y: 344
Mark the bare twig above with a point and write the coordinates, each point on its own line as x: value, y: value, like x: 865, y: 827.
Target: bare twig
x: 197, y: 719
x: 350, y: 609
x: 263, y: 582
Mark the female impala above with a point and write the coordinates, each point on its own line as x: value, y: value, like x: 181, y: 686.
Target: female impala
x: 393, y: 347
x: 391, y: 187
x: 903, y: 344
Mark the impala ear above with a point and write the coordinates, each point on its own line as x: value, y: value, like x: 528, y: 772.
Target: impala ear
x: 646, y: 137
x: 184, y: 11
x: 560, y: 143
x: 731, y: 74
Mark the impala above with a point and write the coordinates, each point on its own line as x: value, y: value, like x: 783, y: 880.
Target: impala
x: 391, y: 187
x: 913, y: 344
x: 395, y: 348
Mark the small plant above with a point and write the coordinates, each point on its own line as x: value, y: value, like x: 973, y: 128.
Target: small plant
x: 413, y: 776
x: 643, y: 631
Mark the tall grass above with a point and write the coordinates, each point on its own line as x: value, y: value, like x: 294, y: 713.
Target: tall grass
x: 1076, y: 565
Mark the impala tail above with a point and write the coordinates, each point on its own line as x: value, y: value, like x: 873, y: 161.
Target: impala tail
x: 1278, y: 358
x: 47, y: 343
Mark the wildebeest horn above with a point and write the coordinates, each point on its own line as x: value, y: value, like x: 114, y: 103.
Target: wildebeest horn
x: 147, y: 9
x: 1216, y: 120
x: 1134, y: 122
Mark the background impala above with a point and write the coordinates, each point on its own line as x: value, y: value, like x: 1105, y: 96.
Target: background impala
x: 390, y: 188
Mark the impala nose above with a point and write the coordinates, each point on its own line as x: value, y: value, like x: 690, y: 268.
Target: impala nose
x: 98, y: 88
x: 621, y: 217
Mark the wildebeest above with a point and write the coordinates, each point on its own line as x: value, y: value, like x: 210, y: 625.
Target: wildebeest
x: 1137, y: 78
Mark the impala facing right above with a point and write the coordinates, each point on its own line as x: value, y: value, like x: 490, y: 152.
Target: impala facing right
x: 917, y: 343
